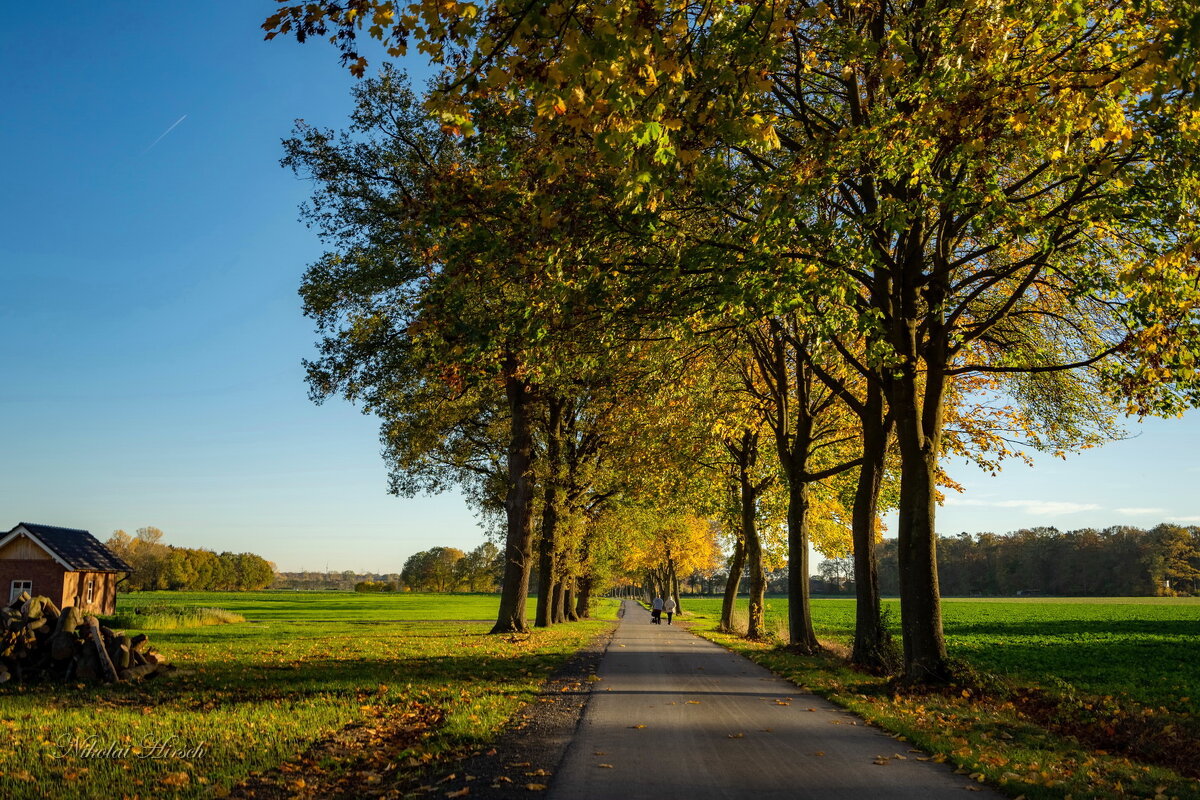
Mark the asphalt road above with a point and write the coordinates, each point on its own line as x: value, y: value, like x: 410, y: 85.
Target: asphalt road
x: 677, y: 717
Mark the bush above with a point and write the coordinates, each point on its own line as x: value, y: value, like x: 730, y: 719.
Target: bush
x: 374, y: 586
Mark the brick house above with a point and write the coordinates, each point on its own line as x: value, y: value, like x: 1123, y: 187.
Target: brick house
x: 69, y: 566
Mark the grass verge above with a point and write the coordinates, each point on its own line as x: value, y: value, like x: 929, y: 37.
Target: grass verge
x: 373, y: 700
x: 992, y: 735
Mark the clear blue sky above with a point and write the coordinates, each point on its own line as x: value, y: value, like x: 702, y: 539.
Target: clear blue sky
x: 149, y: 259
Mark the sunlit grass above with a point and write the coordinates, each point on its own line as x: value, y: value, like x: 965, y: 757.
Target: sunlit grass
x: 160, y: 617
x: 1142, y: 647
x: 249, y: 696
x: 1097, y: 663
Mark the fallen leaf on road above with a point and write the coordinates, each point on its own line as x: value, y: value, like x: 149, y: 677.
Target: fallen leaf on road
x: 693, y: 702
x: 605, y: 766
x: 819, y: 753
x: 783, y: 703
x: 736, y: 735
x: 536, y: 787
x: 599, y: 753
x: 540, y: 773
x: 637, y: 727
x: 463, y: 792
x: 812, y: 709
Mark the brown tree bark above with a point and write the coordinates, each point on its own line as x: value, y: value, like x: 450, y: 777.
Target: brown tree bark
x: 733, y: 583
x: 754, y: 561
x: 916, y: 403
x: 583, y: 598
x: 545, y: 615
x: 872, y: 644
x: 558, y: 603
x: 569, y: 602
x: 802, y: 637
x: 518, y: 504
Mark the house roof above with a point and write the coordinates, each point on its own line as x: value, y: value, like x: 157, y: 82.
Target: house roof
x: 76, y: 548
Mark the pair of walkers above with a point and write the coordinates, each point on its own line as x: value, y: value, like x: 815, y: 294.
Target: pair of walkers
x: 660, y: 607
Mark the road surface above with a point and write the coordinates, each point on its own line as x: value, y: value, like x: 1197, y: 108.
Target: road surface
x: 676, y: 717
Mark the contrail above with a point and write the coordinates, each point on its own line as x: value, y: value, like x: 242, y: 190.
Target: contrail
x: 164, y: 133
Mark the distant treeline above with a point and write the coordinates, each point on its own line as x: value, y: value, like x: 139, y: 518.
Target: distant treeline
x: 344, y: 581
x: 163, y: 566
x: 1120, y: 561
x: 438, y: 569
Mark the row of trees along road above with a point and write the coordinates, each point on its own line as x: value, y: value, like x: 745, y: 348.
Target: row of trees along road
x: 760, y: 263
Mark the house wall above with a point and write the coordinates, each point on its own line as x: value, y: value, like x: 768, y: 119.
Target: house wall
x: 104, y: 594
x: 24, y: 549
x: 46, y: 574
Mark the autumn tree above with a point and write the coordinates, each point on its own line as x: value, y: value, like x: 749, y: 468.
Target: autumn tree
x: 964, y: 182
x: 434, y: 570
x: 663, y: 547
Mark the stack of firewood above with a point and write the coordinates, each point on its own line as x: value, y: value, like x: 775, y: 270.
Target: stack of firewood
x: 40, y: 642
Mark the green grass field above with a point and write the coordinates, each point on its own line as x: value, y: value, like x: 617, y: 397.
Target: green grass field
x: 1145, y: 648
x: 378, y: 607
x: 249, y: 696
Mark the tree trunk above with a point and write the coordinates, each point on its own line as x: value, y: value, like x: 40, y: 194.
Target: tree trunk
x: 736, y: 564
x: 755, y: 626
x: 547, y: 577
x: 871, y: 641
x: 800, y: 627
x: 518, y: 501
x: 918, y: 428
x: 675, y: 590
x: 558, y: 609
x: 583, y: 598
x: 754, y: 560
x: 569, y: 603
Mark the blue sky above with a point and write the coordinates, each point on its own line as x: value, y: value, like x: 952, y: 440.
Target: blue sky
x: 153, y: 336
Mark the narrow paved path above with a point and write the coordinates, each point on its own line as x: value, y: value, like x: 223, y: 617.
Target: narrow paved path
x: 676, y: 717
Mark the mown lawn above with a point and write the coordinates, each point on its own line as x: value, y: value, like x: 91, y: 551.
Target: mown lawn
x: 249, y: 696
x: 377, y: 607
x: 1142, y: 647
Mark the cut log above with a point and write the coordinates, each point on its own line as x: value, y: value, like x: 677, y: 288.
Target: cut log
x: 63, y: 646
x: 136, y: 673
x: 106, y: 664
x: 87, y: 665
x: 70, y: 619
x: 118, y: 651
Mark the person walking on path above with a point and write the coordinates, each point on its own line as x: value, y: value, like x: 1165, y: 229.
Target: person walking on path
x: 669, y: 608
x: 656, y: 609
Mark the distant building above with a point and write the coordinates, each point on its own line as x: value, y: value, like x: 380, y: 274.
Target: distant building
x: 69, y: 566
